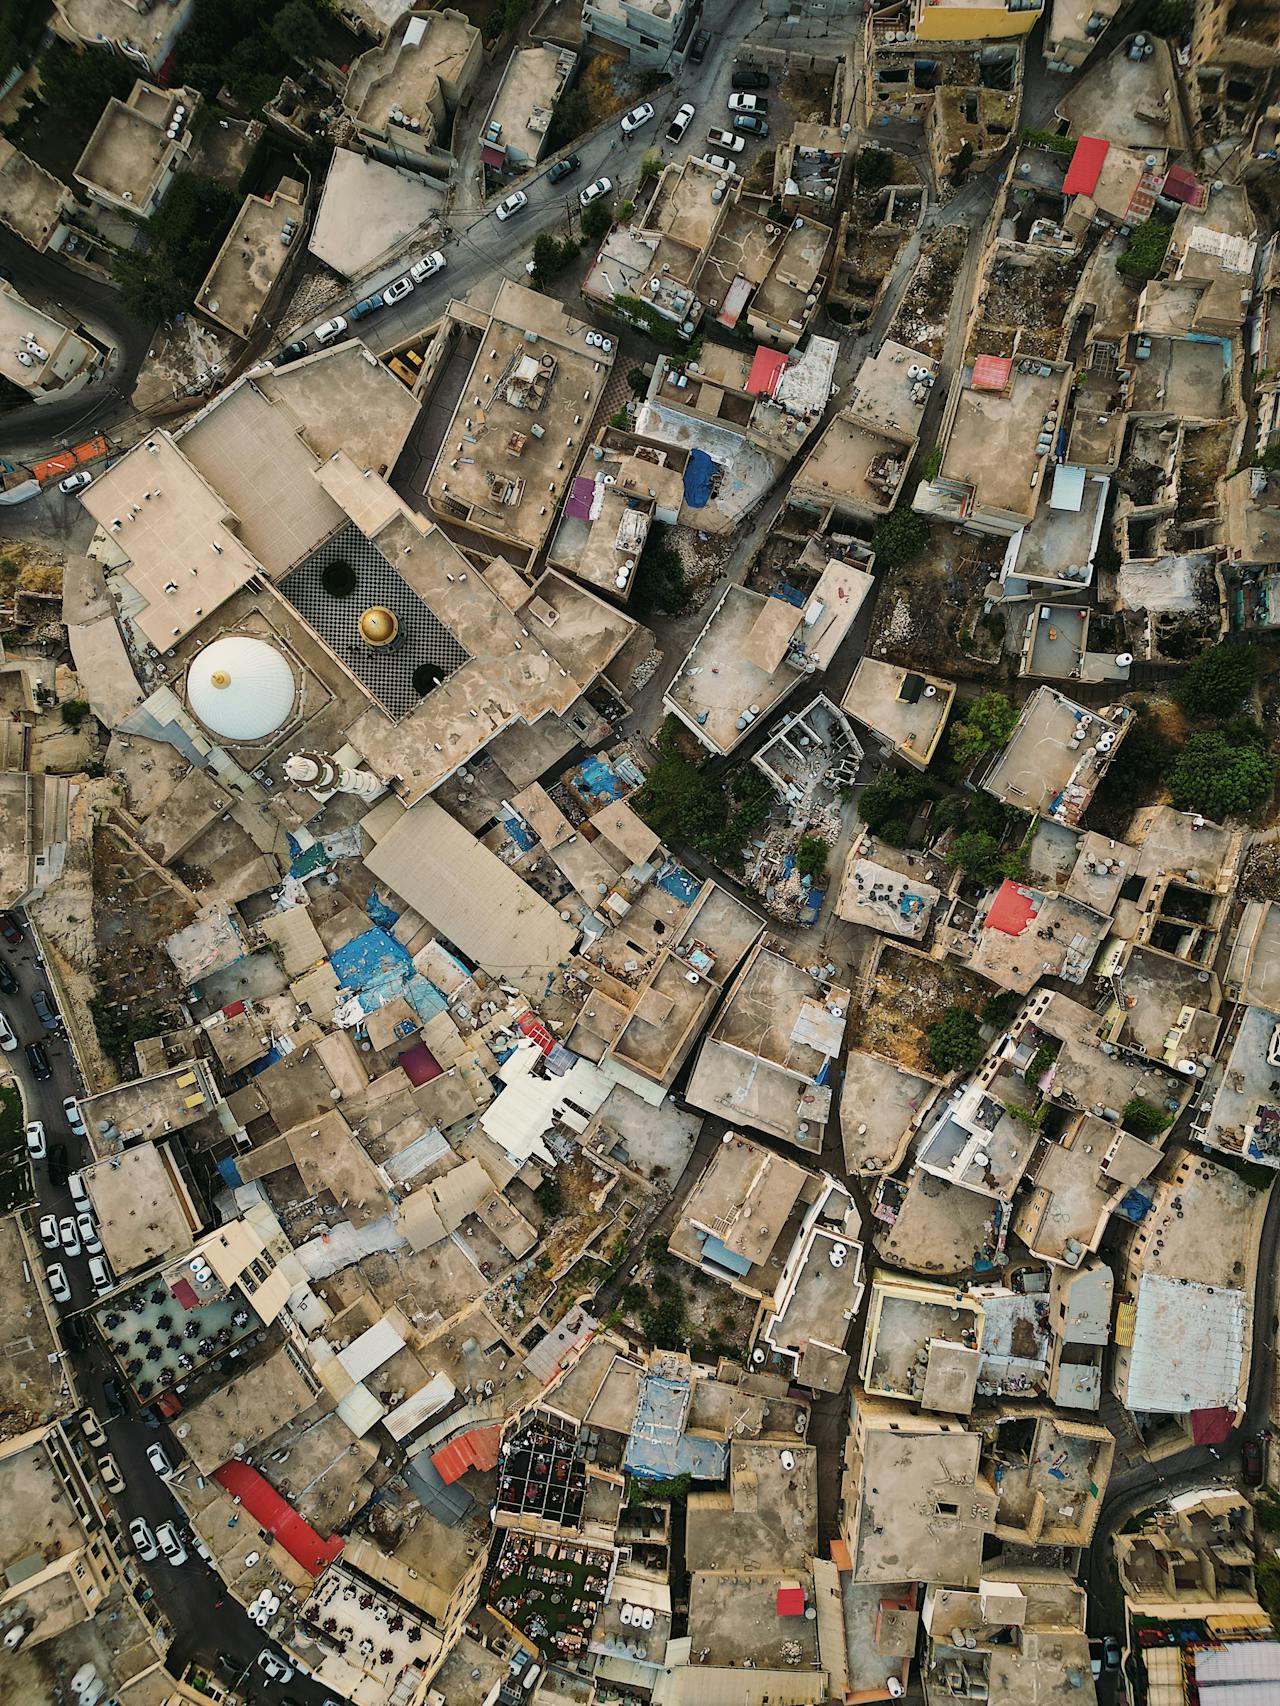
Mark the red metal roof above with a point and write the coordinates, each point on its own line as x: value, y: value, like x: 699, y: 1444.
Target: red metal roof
x: 420, y: 1064
x: 475, y: 1449
x: 767, y: 367
x: 1182, y: 185
x: 991, y: 372
x: 790, y: 1599
x: 1211, y: 1427
x: 1086, y: 166
x: 1012, y: 910
x: 277, y: 1517
x: 185, y: 1293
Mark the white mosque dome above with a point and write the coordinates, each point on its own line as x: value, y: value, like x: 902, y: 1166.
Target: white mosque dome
x: 240, y: 688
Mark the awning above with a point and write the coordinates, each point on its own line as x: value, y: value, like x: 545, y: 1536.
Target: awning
x: 277, y: 1517
x: 491, y: 156
x: 475, y: 1449
x: 1211, y: 1427
x: 1012, y: 910
x: 1086, y: 166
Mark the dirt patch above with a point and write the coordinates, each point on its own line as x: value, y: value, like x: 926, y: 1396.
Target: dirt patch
x: 920, y: 321
x: 1206, y: 452
x: 809, y: 94
x: 1260, y: 873
x: 915, y: 622
x: 1024, y: 302
x: 908, y: 993
x: 703, y: 559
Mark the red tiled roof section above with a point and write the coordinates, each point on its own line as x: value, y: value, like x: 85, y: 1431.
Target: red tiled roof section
x: 475, y: 1449
x: 767, y: 367
x: 277, y: 1517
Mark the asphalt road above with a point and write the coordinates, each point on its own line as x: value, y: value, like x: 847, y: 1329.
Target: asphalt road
x: 44, y: 278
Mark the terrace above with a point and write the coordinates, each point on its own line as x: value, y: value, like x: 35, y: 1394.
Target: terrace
x: 170, y: 1326
x: 542, y: 1474
x: 246, y: 268
x: 921, y: 1343
x: 993, y: 438
x: 719, y: 707
x: 907, y: 709
x: 551, y: 1591
x: 1184, y: 378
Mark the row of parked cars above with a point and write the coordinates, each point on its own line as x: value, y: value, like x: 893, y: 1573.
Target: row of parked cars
x: 331, y: 330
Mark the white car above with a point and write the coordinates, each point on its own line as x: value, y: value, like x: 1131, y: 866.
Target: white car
x: 636, y: 117
x: 144, y: 1541
x: 76, y: 482
x: 71, y: 1108
x: 725, y: 140
x: 79, y: 1195
x: 8, y: 1041
x: 516, y: 202
x: 331, y: 330
x: 593, y: 191
x: 397, y: 290
x: 158, y: 1461
x: 58, y: 1282
x: 49, y: 1231
x: 427, y: 267
x: 170, y: 1545
x: 88, y: 1235
x: 99, y: 1276
x: 719, y: 161
x: 36, y: 1146
x: 92, y: 1429
x: 109, y: 1469
x: 681, y: 122
x: 748, y: 104
x: 273, y: 1667
x: 69, y: 1235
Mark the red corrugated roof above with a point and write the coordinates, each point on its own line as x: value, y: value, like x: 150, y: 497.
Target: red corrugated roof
x: 790, y: 1600
x: 1211, y: 1427
x: 991, y: 372
x: 1182, y: 185
x: 767, y: 366
x: 476, y: 1449
x: 1012, y: 909
x: 277, y: 1517
x: 1086, y: 166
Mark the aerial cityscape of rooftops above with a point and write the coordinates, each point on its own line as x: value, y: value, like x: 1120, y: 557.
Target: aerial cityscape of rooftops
x: 640, y: 852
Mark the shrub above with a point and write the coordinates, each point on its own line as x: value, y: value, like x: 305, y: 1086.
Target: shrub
x: 955, y: 1041
x: 987, y: 723
x: 597, y: 218
x: 1145, y: 251
x: 933, y: 463
x: 875, y: 168
x: 1223, y: 773
x: 620, y: 418
x: 74, y: 712
x: 638, y: 380
x: 179, y: 243
x: 899, y: 538
x: 1219, y: 681
x: 888, y: 806
x: 998, y: 1010
x: 716, y: 815
x: 1048, y: 139
x: 812, y: 854
x: 977, y: 854
x: 650, y: 167
x: 338, y: 579
x: 1143, y: 1118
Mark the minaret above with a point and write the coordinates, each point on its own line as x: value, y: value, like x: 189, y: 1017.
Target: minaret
x: 322, y: 776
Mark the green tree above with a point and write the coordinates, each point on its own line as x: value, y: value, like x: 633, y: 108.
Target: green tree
x: 597, y: 217
x: 1144, y: 1119
x: 659, y: 587
x: 875, y: 168
x: 1223, y: 773
x: 888, y: 806
x: 717, y: 815
x: 986, y: 724
x: 179, y: 243
x: 955, y: 1041
x: 977, y: 854
x: 1166, y: 17
x: 74, y: 712
x: 812, y: 854
x: 638, y: 380
x: 899, y: 538
x: 1145, y: 251
x: 650, y: 166
x: 1219, y: 681
x: 296, y: 30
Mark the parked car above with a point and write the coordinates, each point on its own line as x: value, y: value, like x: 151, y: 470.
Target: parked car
x: 749, y: 77
x: 100, y: 1276
x: 699, y: 45
x: 113, y: 1398
x: 170, y: 1545
x: 11, y: 930
x: 751, y: 123
x: 69, y: 1235
x: 46, y: 1012
x: 358, y: 310
x: 143, y: 1540
x: 273, y: 1667
x: 8, y: 1038
x: 563, y: 169
x: 75, y: 1333
x: 49, y: 1231
x: 1112, y: 1653
x: 397, y: 290
x: 71, y: 1108
x: 92, y: 1429
x: 636, y: 117
x: 59, y: 1285
x: 76, y: 482
x: 292, y: 352
x: 592, y: 191
x: 58, y: 1165
x: 725, y: 140
x: 721, y: 162
x: 681, y: 122
x: 38, y: 1061
x: 427, y: 267
x: 515, y: 203
x: 79, y: 1195
x: 88, y: 1235
x: 1253, y: 1461
x: 331, y: 330
x: 36, y: 1146
x: 8, y: 982
x: 109, y: 1469
x: 747, y: 103
x: 159, y: 1461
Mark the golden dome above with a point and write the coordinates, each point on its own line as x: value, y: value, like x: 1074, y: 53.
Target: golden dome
x: 378, y: 626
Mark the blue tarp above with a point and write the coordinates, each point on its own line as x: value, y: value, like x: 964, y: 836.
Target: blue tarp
x: 680, y: 884
x: 230, y: 1172
x: 379, y: 911
x: 597, y: 778
x: 698, y: 475
x: 659, y: 1449
x: 789, y: 594
x: 379, y: 968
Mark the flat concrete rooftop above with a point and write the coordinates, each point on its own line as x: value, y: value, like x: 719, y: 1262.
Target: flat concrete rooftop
x: 734, y: 1616
x: 1042, y: 769
x: 143, y: 1210
x: 130, y: 146
x: 409, y: 77
x: 856, y: 464
x: 912, y: 723
x: 715, y: 702
x: 250, y: 261
x: 991, y: 440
